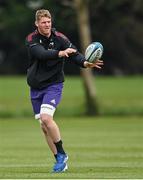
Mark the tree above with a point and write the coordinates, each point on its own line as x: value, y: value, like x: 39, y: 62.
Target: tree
x: 81, y: 7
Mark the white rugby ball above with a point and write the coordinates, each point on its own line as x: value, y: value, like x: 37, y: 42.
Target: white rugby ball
x: 93, y: 52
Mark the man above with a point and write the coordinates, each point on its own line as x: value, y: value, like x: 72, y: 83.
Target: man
x: 47, y: 49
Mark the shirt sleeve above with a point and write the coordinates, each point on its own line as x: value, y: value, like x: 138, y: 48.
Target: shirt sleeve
x: 40, y: 53
x: 37, y: 51
x: 77, y: 57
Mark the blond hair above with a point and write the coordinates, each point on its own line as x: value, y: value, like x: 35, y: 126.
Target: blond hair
x: 42, y: 13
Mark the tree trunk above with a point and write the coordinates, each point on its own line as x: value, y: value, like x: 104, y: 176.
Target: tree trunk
x: 81, y: 7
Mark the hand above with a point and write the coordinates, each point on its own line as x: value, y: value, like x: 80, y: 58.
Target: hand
x: 67, y: 52
x: 96, y: 64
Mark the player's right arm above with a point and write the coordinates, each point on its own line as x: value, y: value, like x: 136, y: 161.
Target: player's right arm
x: 67, y: 52
x: 37, y: 51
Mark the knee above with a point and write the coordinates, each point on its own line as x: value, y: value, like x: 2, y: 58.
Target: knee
x: 46, y: 121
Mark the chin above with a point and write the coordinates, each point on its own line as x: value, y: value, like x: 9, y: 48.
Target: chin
x: 46, y: 33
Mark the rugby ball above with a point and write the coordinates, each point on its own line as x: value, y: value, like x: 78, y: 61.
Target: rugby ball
x: 93, y: 52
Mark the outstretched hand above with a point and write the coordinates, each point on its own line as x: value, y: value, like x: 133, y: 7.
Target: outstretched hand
x: 67, y: 52
x: 97, y: 64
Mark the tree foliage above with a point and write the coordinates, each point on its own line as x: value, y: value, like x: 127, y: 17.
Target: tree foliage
x: 117, y: 24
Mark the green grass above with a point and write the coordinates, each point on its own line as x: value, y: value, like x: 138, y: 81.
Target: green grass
x: 107, y: 146
x: 14, y: 97
x: 115, y: 96
x: 103, y: 147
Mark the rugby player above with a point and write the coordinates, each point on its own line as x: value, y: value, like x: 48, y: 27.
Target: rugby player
x: 47, y: 50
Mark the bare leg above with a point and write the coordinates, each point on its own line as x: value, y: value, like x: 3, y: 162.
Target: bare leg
x: 50, y: 127
x: 53, y: 138
x: 49, y: 140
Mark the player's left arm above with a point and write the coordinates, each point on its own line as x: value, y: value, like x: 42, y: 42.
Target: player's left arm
x: 74, y: 56
x: 97, y: 64
x: 79, y: 58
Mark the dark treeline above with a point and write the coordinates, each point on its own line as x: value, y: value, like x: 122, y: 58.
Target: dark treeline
x: 117, y: 24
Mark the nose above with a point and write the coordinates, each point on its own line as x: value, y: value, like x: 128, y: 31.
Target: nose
x: 47, y: 24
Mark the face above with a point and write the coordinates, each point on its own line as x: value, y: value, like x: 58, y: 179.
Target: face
x: 44, y: 26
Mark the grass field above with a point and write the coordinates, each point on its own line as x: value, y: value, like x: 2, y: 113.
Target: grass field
x: 106, y: 146
x: 115, y: 95
x: 101, y: 148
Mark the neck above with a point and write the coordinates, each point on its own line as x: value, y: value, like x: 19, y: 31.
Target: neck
x: 47, y: 35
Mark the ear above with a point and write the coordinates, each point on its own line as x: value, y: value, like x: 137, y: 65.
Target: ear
x: 36, y: 24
